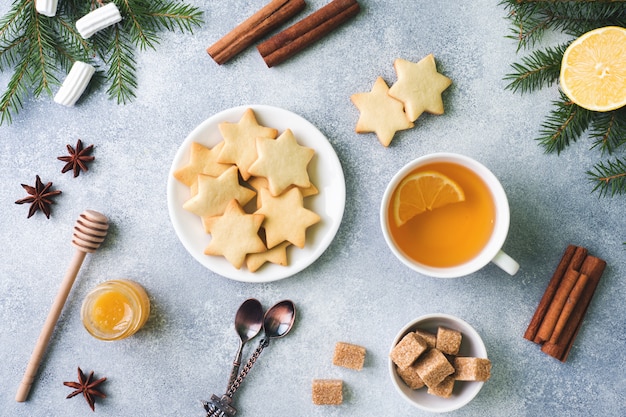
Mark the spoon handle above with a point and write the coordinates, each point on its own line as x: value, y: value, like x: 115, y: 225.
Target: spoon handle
x: 247, y: 367
x: 235, y: 369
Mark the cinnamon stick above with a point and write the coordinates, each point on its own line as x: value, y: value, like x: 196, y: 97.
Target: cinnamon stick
x: 555, y: 296
x: 253, y: 28
x: 295, y: 38
x: 568, y: 308
x: 540, y: 313
x: 556, y: 307
x: 593, y: 267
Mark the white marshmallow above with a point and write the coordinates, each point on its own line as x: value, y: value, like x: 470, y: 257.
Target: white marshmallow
x: 46, y: 7
x: 74, y: 84
x: 98, y: 19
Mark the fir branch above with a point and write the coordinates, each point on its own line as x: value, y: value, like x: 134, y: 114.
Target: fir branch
x: 172, y: 15
x: 576, y: 18
x: 69, y: 37
x: 42, y: 68
x: 564, y: 125
x: 608, y: 129
x: 528, y: 23
x: 530, y: 20
x: 540, y: 69
x: 137, y: 23
x: 10, y: 52
x: 11, y: 23
x: 17, y: 90
x: 609, y: 177
x: 121, y: 73
x: 12, y: 35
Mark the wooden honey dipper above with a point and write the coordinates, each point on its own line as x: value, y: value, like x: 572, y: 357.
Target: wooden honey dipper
x: 89, y: 232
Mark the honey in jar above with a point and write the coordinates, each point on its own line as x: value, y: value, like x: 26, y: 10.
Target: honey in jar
x: 115, y: 309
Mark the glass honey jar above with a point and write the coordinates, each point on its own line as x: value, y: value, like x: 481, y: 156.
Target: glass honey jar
x: 115, y: 309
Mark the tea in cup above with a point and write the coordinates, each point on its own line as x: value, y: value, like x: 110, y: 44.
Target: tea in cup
x: 446, y: 215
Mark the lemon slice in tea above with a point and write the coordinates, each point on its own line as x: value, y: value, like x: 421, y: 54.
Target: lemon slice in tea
x: 593, y: 70
x: 423, y: 191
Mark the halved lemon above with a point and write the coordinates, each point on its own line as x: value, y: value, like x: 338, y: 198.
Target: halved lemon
x: 593, y: 70
x: 423, y: 191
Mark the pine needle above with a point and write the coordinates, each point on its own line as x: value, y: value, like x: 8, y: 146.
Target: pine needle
x: 609, y: 177
x: 540, y: 69
x: 564, y: 125
x: 121, y: 74
x: 609, y: 130
x: 172, y: 16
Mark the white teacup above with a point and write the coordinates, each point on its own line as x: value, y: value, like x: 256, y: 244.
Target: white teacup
x: 492, y: 249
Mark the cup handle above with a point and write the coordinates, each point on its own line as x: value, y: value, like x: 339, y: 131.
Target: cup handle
x: 504, y: 261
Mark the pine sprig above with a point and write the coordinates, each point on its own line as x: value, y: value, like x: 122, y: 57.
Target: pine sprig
x: 42, y: 55
x: 564, y: 125
x: 11, y: 100
x: 540, y: 69
x: 609, y: 177
x: 137, y: 23
x: 121, y: 74
x: 40, y: 50
x: 608, y: 130
x: 173, y: 16
x: 531, y: 19
x: 567, y: 122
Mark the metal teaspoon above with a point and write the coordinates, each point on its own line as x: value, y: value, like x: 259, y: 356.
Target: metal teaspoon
x: 277, y: 323
x: 248, y: 323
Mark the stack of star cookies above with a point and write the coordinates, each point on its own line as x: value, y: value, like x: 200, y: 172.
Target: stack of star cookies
x: 249, y: 192
x: 385, y: 110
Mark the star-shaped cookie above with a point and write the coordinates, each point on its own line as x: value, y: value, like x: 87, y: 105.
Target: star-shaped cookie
x: 419, y: 86
x: 202, y: 160
x: 277, y: 255
x: 240, y: 141
x: 283, y: 162
x: 234, y: 234
x: 214, y: 194
x: 286, y: 219
x: 380, y: 113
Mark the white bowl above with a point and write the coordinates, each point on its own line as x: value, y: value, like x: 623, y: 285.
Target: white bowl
x: 471, y: 345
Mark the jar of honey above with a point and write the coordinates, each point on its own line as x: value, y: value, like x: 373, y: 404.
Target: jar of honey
x: 115, y: 309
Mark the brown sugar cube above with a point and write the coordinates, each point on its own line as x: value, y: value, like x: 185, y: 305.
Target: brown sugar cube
x: 448, y: 340
x: 472, y: 369
x: 430, y: 338
x: 408, y: 350
x: 327, y: 391
x: 444, y: 389
x: 349, y: 356
x: 433, y: 367
x: 410, y: 377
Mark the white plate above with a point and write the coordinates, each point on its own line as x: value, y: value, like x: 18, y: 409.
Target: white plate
x: 324, y: 170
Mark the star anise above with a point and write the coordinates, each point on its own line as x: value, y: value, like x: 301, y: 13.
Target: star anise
x: 77, y: 158
x: 87, y: 387
x: 40, y: 197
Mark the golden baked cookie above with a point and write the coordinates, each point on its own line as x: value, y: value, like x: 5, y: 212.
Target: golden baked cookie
x: 419, y: 86
x: 202, y: 160
x: 234, y: 234
x: 214, y: 194
x: 285, y: 217
x: 380, y: 113
x: 277, y: 255
x: 240, y: 141
x: 283, y: 162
